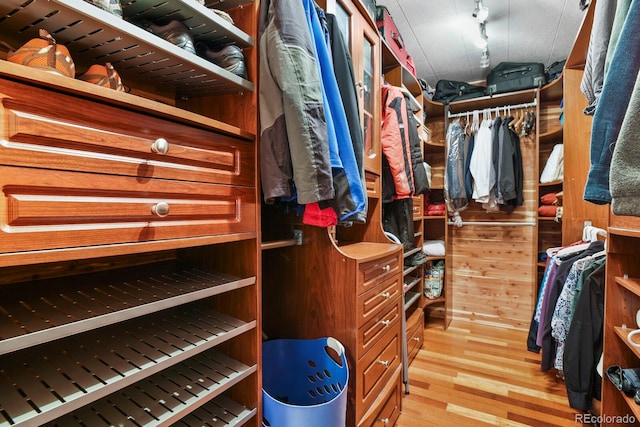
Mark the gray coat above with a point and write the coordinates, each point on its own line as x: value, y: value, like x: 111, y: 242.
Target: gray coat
x: 293, y: 131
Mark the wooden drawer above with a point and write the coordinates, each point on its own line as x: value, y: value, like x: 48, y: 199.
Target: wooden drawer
x: 417, y: 208
x: 374, y: 272
x: 44, y: 209
x: 415, y: 336
x: 376, y: 369
x: 63, y: 132
x: 387, y: 413
x: 385, y: 319
x: 371, y: 302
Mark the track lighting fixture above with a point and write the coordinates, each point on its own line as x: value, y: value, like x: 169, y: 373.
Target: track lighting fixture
x: 480, y: 12
x: 482, y: 41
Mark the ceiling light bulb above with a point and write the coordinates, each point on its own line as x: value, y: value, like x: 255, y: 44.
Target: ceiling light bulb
x: 484, y: 59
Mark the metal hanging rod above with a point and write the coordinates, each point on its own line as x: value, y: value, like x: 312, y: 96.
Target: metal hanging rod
x: 496, y: 223
x: 494, y: 109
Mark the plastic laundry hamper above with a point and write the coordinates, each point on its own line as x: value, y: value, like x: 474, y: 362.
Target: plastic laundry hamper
x: 302, y: 384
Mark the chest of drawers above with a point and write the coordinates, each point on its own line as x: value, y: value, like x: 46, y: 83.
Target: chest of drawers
x: 352, y: 292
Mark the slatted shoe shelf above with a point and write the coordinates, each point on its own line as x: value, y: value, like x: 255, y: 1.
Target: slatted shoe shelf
x: 98, y: 346
x: 94, y: 36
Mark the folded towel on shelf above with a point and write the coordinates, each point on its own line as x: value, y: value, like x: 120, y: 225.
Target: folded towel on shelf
x: 433, y: 247
x: 547, y: 210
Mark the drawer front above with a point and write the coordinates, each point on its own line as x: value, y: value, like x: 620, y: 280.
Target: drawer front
x: 372, y: 301
x: 384, y: 320
x: 63, y: 132
x: 45, y: 209
x: 374, y: 272
x: 415, y: 336
x: 417, y: 207
x: 378, y: 366
x: 388, y: 412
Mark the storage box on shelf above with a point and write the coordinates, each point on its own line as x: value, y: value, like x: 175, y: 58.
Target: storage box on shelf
x: 130, y: 227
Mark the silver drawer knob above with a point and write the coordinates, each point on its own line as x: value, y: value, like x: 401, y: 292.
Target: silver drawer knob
x: 415, y: 339
x: 384, y: 421
x: 385, y: 322
x: 384, y: 363
x: 160, y: 146
x: 385, y: 295
x: 387, y: 268
x: 160, y: 209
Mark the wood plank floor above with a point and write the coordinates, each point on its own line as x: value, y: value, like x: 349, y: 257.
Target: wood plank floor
x: 476, y: 375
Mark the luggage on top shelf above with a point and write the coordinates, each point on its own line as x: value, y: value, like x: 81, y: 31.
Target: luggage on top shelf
x: 390, y: 33
x: 452, y: 90
x: 513, y: 76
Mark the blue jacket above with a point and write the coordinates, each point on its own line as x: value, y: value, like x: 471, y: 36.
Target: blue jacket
x: 612, y: 106
x: 346, y: 176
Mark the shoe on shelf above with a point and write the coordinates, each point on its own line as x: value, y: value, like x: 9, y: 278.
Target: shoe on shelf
x: 111, y: 6
x: 44, y: 53
x: 174, y: 32
x: 224, y: 15
x: 229, y: 57
x: 103, y: 75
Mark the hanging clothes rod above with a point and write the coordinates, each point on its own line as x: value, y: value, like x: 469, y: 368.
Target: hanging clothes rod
x: 497, y: 223
x: 494, y: 109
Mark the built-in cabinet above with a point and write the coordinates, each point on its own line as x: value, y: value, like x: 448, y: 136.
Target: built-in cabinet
x: 396, y: 74
x: 550, y: 134
x: 621, y: 305
x: 130, y: 234
x: 435, y: 226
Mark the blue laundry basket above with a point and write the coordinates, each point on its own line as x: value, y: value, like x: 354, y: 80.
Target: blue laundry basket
x: 302, y: 384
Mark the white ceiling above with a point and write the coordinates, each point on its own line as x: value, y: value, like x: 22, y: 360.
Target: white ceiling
x: 439, y: 34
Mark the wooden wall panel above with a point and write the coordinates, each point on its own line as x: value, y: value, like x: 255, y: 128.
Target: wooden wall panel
x: 577, y: 143
x: 492, y: 268
x: 492, y: 274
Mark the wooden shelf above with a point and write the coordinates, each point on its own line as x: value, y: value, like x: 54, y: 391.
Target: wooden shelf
x: 434, y: 217
x: 278, y: 244
x: 409, y: 298
x: 547, y: 218
x: 428, y: 301
x: 551, y: 136
x: 624, y: 225
x: 551, y: 184
x: 622, y: 334
x: 412, y: 283
x: 62, y: 376
x: 176, y: 392
x: 140, y: 57
x: 632, y: 285
x: 77, y: 305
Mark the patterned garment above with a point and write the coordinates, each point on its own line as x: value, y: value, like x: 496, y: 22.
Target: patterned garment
x: 563, y: 312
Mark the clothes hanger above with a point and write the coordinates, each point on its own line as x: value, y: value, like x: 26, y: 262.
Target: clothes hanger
x: 589, y: 235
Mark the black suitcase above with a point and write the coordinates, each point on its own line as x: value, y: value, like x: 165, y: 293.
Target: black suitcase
x: 512, y: 76
x: 452, y: 90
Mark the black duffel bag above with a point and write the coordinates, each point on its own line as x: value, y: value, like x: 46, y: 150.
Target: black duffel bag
x: 451, y: 90
x: 512, y: 76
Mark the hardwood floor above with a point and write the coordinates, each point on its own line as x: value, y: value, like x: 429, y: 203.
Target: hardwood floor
x: 475, y: 375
